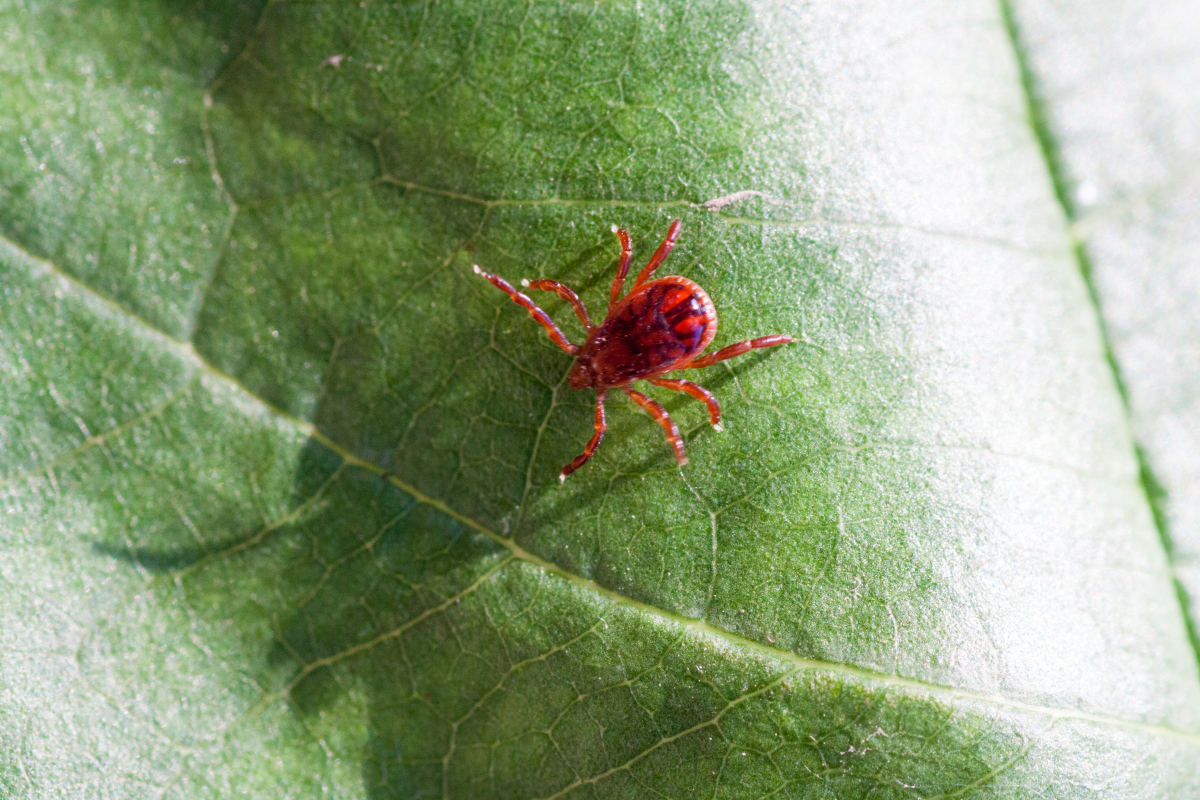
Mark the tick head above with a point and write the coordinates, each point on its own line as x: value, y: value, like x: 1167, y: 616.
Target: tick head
x: 582, y: 374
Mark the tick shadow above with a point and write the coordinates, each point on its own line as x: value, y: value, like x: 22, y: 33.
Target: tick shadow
x: 320, y: 600
x: 362, y: 569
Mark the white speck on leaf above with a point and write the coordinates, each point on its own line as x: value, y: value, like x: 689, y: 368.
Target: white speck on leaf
x: 718, y: 203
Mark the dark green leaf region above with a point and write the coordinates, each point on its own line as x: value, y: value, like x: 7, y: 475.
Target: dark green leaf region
x: 278, y: 471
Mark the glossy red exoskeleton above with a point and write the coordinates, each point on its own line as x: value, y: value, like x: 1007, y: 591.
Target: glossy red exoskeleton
x: 660, y: 326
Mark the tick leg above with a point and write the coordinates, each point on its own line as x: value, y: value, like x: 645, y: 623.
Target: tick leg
x: 622, y: 266
x: 660, y: 416
x: 566, y: 293
x: 698, y: 392
x: 738, y: 349
x: 660, y: 254
x: 555, y: 334
x: 581, y: 459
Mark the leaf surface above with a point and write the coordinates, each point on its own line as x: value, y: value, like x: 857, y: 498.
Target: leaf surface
x: 1133, y: 219
x: 280, y: 472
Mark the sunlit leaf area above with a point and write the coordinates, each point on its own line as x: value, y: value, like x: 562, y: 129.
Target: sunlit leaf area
x: 280, y: 508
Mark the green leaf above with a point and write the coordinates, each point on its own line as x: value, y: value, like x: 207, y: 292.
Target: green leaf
x: 279, y: 472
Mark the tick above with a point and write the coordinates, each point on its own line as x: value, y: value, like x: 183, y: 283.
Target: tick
x: 660, y: 326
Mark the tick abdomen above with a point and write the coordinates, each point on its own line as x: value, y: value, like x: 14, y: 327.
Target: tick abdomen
x: 663, y: 324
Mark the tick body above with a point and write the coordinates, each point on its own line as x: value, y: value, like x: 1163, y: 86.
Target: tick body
x: 660, y: 326
x: 657, y: 328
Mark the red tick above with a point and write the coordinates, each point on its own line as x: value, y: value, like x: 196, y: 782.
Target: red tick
x: 660, y: 326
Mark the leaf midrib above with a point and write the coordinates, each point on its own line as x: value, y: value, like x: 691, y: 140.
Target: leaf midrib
x: 186, y: 353
x: 1052, y: 157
